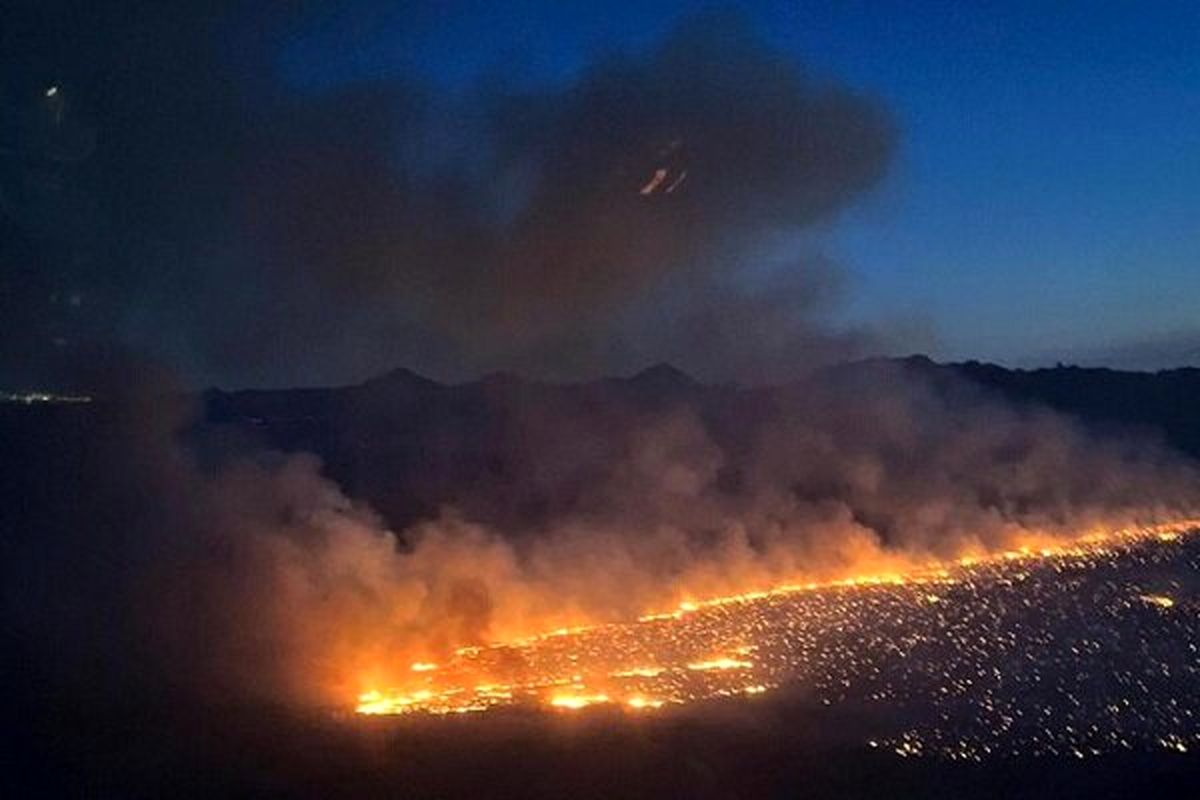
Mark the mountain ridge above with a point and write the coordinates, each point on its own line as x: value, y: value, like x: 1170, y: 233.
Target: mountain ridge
x: 409, y: 444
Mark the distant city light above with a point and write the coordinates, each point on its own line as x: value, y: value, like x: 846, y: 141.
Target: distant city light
x: 30, y: 398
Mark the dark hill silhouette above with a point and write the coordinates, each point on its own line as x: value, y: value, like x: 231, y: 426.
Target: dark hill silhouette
x: 1167, y: 402
x: 409, y: 445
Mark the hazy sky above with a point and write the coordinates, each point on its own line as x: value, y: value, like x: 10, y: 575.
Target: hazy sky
x: 1048, y: 182
x: 1041, y: 202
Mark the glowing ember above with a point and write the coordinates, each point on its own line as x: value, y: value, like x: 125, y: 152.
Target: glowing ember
x: 720, y: 663
x: 638, y: 672
x: 378, y: 703
x: 576, y: 701
x: 656, y: 180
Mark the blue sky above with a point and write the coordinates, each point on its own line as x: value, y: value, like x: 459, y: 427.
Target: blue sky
x: 1045, y: 200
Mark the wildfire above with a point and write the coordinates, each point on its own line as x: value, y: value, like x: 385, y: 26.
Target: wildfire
x: 638, y: 672
x: 720, y: 663
x: 375, y: 702
x: 577, y: 701
x: 639, y: 702
x: 655, y: 661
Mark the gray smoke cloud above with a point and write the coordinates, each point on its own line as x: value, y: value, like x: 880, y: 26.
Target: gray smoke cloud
x: 544, y: 224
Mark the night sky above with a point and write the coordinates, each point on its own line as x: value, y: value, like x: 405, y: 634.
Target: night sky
x: 259, y: 196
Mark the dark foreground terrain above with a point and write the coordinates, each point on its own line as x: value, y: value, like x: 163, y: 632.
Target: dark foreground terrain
x: 779, y: 748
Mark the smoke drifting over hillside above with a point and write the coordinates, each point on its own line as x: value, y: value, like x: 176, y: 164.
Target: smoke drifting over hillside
x: 259, y: 578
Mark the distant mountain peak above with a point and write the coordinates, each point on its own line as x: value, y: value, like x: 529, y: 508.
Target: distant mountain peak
x: 401, y: 376
x: 663, y: 375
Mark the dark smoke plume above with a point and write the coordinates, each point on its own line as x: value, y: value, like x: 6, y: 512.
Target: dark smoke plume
x: 255, y: 233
